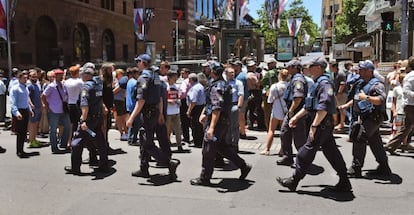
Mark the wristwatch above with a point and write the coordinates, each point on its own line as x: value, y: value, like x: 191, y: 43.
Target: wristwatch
x: 367, y: 98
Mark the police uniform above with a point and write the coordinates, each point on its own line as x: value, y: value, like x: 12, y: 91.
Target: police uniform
x: 297, y: 88
x: 320, y: 97
x: 91, y: 97
x: 149, y: 89
x: 371, y: 116
x: 218, y: 97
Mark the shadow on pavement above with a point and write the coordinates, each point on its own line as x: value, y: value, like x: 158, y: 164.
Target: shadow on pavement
x: 245, y: 152
x: 392, y: 179
x: 32, y: 154
x: 159, y: 180
x: 227, y: 185
x: 328, y: 194
x: 101, y: 175
x: 117, y: 151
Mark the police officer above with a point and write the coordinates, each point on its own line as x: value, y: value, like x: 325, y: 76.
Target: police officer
x: 369, y: 105
x: 217, y: 112
x: 320, y: 102
x: 149, y: 107
x: 92, y: 109
x: 295, y: 99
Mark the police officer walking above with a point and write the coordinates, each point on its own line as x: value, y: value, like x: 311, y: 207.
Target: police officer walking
x: 90, y: 131
x: 217, y: 112
x: 149, y: 107
x: 369, y: 105
x: 294, y: 97
x: 320, y: 102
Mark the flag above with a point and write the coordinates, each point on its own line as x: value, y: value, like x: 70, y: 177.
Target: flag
x: 282, y: 5
x: 294, y: 25
x: 212, y: 39
x: 306, y: 38
x: 274, y: 9
x: 244, y: 8
x: 3, y: 20
x: 139, y: 23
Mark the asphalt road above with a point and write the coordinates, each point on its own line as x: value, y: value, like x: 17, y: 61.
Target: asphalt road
x: 39, y: 185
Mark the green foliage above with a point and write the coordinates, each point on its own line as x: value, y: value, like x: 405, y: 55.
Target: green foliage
x: 348, y: 24
x: 296, y: 9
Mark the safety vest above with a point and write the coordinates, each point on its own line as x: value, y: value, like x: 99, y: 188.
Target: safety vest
x: 288, y: 94
x: 312, y: 101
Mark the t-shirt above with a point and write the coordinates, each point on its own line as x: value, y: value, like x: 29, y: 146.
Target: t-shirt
x: 74, y: 87
x: 397, y: 93
x: 173, y: 98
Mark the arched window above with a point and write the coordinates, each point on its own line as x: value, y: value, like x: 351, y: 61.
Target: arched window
x: 108, y: 46
x: 81, y: 43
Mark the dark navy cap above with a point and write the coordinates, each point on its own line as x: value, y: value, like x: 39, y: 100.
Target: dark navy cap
x: 366, y: 65
x: 144, y: 57
x: 294, y: 63
x: 318, y: 61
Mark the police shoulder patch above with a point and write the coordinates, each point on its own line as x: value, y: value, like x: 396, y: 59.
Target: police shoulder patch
x: 298, y: 85
x: 330, y: 91
x: 84, y: 93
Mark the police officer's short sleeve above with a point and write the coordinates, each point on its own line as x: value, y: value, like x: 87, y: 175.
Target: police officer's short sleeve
x: 325, y: 96
x: 298, y: 88
x: 378, y: 89
x: 84, y: 96
x: 142, y: 86
x: 216, y: 97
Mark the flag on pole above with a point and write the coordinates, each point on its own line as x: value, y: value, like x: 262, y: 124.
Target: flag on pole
x: 244, y: 8
x: 139, y: 23
x: 3, y: 20
x: 294, y: 25
x: 282, y: 5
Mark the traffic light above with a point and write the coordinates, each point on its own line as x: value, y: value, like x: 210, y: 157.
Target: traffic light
x: 387, y: 21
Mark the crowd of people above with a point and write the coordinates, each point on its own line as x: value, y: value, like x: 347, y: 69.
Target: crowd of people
x: 308, y: 101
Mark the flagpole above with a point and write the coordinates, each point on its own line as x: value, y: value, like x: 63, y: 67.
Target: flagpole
x: 9, y: 56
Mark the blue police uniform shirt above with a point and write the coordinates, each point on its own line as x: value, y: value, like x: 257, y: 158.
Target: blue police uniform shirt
x: 377, y: 89
x: 296, y: 88
x: 149, y: 87
x: 321, y: 96
x: 91, y: 96
x: 196, y: 94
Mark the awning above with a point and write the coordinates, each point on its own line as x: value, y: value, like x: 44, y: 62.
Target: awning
x: 206, y: 30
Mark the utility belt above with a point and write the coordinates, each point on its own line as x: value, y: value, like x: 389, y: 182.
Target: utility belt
x: 223, y: 120
x: 326, y: 122
x: 376, y: 116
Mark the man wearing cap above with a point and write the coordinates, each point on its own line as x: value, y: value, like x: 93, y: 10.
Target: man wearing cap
x: 149, y: 107
x: 91, y: 119
x: 320, y: 104
x: 54, y: 98
x: 269, y: 78
x: 217, y: 113
x: 254, y: 105
x: 339, y: 78
x: 369, y: 105
x: 408, y: 125
x: 295, y: 99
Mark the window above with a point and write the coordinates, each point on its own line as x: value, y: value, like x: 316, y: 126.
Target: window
x: 124, y: 7
x: 80, y: 43
x: 108, y: 4
x: 86, y: 1
x: 125, y: 52
x: 108, y: 46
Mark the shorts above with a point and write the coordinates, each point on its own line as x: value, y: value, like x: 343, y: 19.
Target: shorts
x: 120, y: 107
x: 74, y: 113
x: 37, y: 115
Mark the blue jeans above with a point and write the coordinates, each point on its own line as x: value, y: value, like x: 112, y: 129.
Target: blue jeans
x: 56, y: 119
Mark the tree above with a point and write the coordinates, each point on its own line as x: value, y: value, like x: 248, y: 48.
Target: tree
x: 348, y: 24
x: 296, y: 9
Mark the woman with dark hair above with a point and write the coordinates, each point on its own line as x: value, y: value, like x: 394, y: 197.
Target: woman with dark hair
x: 108, y: 97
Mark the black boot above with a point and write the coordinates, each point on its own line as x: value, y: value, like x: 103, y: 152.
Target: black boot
x: 291, y: 183
x: 382, y: 170
x: 344, y: 185
x: 354, y: 172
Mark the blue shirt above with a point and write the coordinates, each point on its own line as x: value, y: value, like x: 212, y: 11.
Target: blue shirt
x: 19, y: 98
x: 237, y: 90
x: 34, y: 93
x: 130, y: 99
x: 196, y: 94
x: 242, y: 77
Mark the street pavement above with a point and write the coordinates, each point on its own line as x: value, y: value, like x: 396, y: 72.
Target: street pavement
x: 39, y: 185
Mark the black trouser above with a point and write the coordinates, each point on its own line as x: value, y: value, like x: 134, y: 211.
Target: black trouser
x: 373, y: 136
x: 149, y: 117
x: 298, y: 134
x: 74, y: 114
x: 196, y: 126
x: 21, y: 129
x: 211, y: 148
x: 185, y: 121
x: 324, y: 138
x: 254, y: 107
x: 93, y: 123
x: 162, y: 136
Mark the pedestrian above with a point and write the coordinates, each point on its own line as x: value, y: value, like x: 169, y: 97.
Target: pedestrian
x: 149, y: 108
x: 130, y: 101
x: 294, y: 97
x: 241, y: 76
x: 119, y: 103
x: 217, y: 113
x: 408, y: 125
x: 269, y: 78
x: 108, y: 99
x: 21, y: 111
x: 279, y: 108
x: 196, y: 100
x: 74, y: 87
x: 369, y: 106
x: 36, y: 105
x: 320, y: 104
x: 54, y: 98
x: 173, y: 121
x: 3, y: 101
x: 340, y: 94
x: 90, y: 129
x: 185, y: 121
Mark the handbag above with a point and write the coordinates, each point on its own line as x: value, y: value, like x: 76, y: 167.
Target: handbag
x: 65, y: 105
